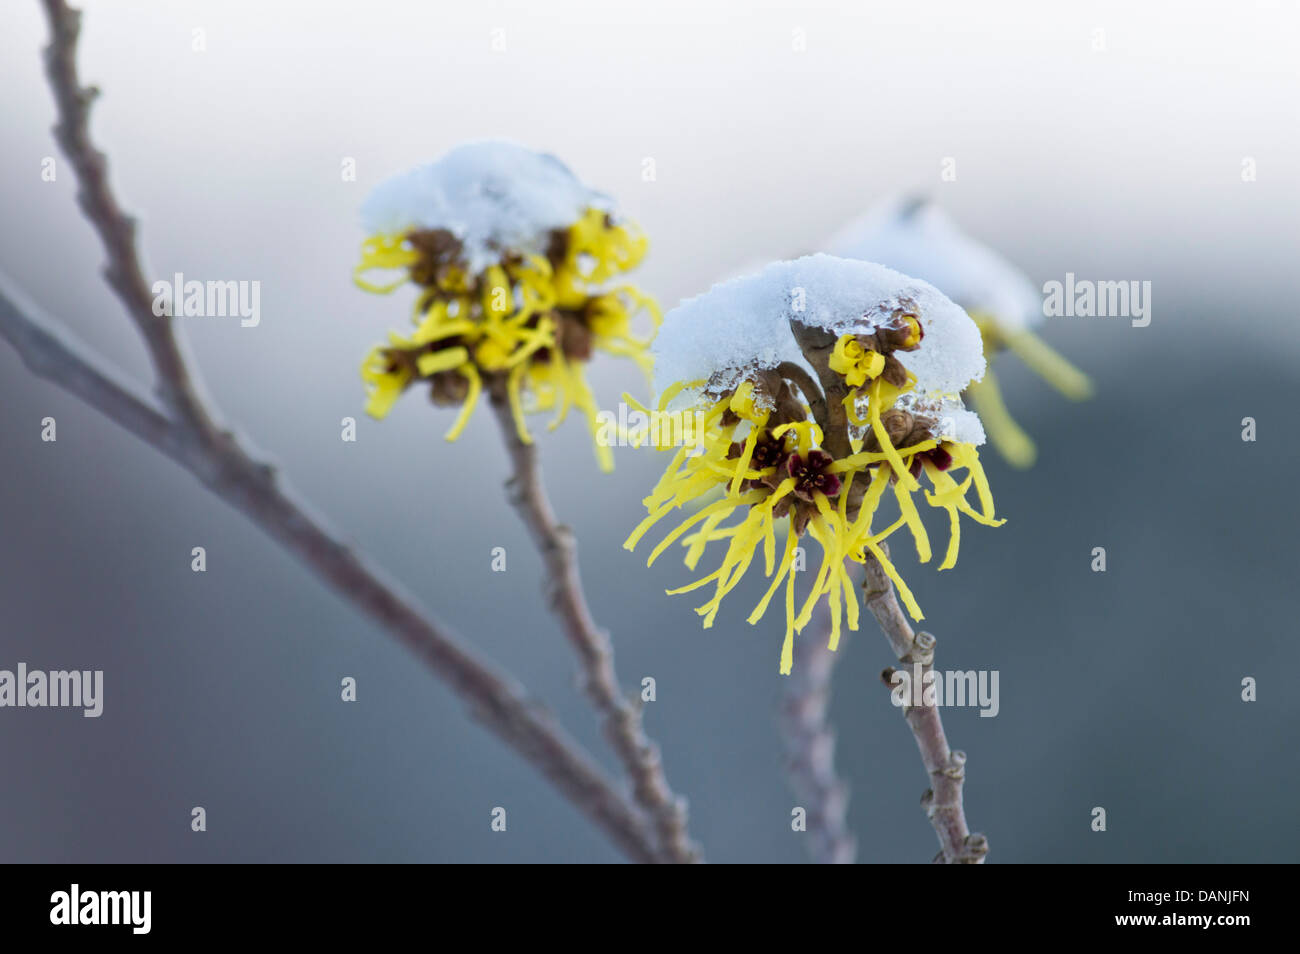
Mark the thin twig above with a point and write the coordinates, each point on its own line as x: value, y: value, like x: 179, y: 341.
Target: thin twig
x: 810, y: 740
x: 116, y: 229
x: 817, y: 345
x: 183, y: 429
x: 812, y: 394
x: 621, y: 717
x: 946, y: 768
x: 810, y: 748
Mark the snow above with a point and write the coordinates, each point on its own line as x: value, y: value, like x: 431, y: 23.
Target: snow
x: 955, y: 421
x: 743, y: 325
x: 920, y: 239
x: 491, y: 195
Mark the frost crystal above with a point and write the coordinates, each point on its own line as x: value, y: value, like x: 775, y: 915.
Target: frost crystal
x: 492, y: 196
x: 743, y: 325
x: 920, y: 239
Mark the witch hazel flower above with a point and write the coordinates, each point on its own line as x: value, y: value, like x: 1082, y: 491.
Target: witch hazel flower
x: 918, y: 238
x: 829, y: 392
x: 515, y: 265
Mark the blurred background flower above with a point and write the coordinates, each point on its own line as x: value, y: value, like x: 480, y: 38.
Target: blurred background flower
x: 916, y: 237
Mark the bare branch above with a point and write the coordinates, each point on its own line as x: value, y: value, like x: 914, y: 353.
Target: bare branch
x: 50, y: 353
x: 494, y: 698
x: 811, y: 392
x: 620, y: 716
x: 184, y: 430
x: 810, y: 748
x: 943, y: 802
x: 946, y: 768
x: 817, y: 344
x: 115, y: 228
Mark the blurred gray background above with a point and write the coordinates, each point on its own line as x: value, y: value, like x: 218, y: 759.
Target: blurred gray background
x: 1119, y: 690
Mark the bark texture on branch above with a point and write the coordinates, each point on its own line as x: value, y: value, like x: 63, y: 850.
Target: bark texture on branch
x: 620, y: 716
x: 943, y: 800
x: 947, y: 768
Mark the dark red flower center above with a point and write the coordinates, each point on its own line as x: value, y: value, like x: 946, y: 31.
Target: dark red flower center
x: 768, y: 452
x: 810, y: 475
x: 941, y: 459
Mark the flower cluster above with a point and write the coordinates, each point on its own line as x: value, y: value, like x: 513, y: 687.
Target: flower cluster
x: 793, y: 454
x: 513, y: 261
x: 916, y: 237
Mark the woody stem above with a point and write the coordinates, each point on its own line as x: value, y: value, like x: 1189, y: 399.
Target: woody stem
x: 946, y: 768
x: 621, y: 716
x: 811, y: 392
x: 810, y: 748
x: 817, y: 344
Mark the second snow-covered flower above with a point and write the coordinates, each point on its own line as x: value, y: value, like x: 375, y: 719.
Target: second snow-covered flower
x: 827, y: 387
x: 516, y: 264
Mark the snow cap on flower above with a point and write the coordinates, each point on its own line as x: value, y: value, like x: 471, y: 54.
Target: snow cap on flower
x: 743, y: 326
x: 825, y: 388
x: 492, y: 196
x: 519, y: 270
x: 918, y: 238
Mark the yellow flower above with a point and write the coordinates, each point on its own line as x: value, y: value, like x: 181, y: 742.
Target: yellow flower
x: 525, y: 323
x: 388, y: 375
x: 857, y: 364
x: 765, y: 460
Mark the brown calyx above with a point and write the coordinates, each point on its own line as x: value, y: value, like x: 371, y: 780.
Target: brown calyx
x: 768, y: 452
x: 438, y: 250
x: 905, y: 430
x: 572, y: 335
x: 448, y: 388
